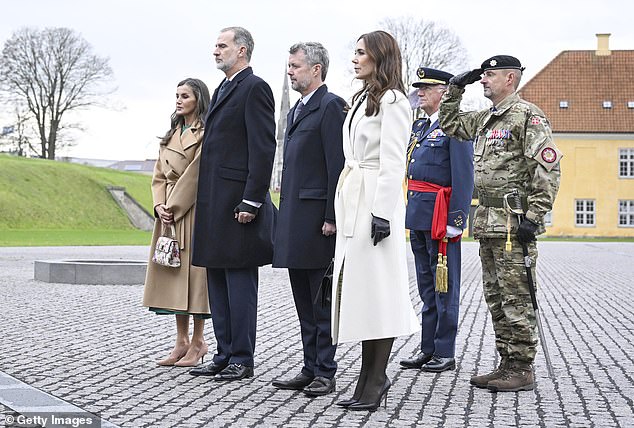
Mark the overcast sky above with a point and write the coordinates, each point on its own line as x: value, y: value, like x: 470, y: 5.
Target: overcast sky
x: 152, y: 44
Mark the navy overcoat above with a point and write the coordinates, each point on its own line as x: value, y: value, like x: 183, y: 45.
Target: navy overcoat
x: 236, y: 164
x: 313, y: 160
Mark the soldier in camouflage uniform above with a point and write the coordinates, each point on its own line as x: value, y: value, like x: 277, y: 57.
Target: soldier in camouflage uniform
x: 513, y: 149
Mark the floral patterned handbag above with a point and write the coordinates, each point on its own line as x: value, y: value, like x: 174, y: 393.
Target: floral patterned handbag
x: 167, y: 251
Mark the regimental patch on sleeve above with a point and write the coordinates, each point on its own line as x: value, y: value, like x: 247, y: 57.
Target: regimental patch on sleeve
x: 548, y: 155
x: 539, y: 120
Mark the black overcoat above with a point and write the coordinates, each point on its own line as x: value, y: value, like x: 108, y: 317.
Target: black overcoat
x: 236, y: 164
x: 313, y: 160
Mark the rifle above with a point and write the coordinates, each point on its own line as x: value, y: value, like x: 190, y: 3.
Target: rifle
x: 514, y: 206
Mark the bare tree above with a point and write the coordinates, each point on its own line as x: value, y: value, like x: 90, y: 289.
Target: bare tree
x: 427, y: 44
x: 52, y: 71
x: 16, y: 136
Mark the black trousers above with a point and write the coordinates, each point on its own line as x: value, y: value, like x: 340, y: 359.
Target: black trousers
x: 233, y: 300
x: 314, y: 321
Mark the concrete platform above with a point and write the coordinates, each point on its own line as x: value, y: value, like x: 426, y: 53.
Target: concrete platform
x: 38, y: 407
x: 91, y: 272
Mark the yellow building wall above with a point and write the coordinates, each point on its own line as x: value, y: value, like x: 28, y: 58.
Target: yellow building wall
x: 590, y: 170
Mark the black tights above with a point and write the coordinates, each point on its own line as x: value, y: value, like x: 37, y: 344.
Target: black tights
x: 374, y: 357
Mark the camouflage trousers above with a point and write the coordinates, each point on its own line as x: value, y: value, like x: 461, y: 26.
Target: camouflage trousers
x: 508, y: 297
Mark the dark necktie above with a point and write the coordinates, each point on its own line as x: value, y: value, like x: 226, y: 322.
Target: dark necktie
x: 298, y: 110
x: 426, y: 125
x: 223, y: 88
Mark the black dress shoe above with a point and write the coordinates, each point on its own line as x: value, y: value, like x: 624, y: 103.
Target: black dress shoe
x: 234, y: 372
x: 210, y: 369
x: 320, y: 386
x: 416, y: 362
x: 299, y: 382
x: 439, y: 364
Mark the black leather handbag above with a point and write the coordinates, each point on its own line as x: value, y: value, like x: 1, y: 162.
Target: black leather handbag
x: 324, y: 293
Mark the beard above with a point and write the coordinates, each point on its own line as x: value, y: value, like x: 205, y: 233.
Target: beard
x: 226, y: 64
x: 300, y: 85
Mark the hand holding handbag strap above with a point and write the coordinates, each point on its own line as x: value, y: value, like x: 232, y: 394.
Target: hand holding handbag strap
x: 172, y: 229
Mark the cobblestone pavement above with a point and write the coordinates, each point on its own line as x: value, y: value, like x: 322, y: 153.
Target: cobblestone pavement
x: 95, y: 345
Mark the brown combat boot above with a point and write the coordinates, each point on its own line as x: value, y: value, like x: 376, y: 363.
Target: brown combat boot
x: 482, y: 381
x: 518, y: 377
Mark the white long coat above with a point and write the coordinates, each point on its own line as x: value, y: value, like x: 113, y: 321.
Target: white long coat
x: 372, y: 300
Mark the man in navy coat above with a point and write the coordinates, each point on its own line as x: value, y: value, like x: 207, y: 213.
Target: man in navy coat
x: 440, y: 183
x: 235, y: 219
x: 305, y: 236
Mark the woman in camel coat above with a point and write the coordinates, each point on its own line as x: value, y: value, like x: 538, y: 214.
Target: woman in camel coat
x: 181, y: 291
x: 371, y: 300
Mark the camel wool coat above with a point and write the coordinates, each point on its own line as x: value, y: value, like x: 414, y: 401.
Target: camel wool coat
x: 371, y: 299
x: 174, y: 184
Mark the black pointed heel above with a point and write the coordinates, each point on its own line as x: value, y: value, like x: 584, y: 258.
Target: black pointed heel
x: 371, y: 407
x: 346, y: 403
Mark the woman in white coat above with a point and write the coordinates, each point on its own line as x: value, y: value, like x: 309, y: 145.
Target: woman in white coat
x: 371, y: 300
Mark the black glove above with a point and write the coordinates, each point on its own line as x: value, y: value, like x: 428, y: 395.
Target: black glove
x: 466, y: 78
x: 526, y: 231
x: 380, y: 229
x: 245, y: 208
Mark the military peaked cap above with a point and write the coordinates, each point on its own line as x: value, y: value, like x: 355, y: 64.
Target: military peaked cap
x: 502, y: 61
x: 430, y: 76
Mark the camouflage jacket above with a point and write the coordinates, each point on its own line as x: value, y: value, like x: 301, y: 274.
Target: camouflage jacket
x: 513, y: 149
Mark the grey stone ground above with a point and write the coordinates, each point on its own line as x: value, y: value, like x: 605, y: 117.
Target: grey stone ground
x: 95, y: 345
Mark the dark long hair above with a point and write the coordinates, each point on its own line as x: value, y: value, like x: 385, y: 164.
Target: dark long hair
x: 201, y: 93
x: 383, y: 50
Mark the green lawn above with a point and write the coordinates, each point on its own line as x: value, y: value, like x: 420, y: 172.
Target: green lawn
x: 44, y: 202
x: 48, y: 203
x: 74, y: 237
x: 42, y: 194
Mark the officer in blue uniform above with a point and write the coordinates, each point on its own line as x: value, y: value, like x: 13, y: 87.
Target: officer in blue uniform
x: 440, y: 178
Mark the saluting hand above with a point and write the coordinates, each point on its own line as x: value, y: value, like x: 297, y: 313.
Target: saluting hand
x: 466, y: 78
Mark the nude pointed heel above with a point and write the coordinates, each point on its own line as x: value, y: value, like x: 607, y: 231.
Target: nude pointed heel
x: 193, y: 361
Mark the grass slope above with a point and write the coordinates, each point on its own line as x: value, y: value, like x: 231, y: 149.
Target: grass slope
x: 43, y: 196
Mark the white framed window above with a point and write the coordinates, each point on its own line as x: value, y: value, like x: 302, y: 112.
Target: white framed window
x: 584, y: 212
x: 563, y: 104
x: 548, y: 218
x: 630, y: 104
x: 607, y: 104
x: 626, y: 213
x: 626, y: 163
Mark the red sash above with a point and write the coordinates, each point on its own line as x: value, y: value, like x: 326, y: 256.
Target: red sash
x: 441, y: 209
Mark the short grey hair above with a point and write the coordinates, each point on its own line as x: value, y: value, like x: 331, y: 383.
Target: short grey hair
x: 315, y: 53
x: 242, y: 37
x: 518, y: 77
